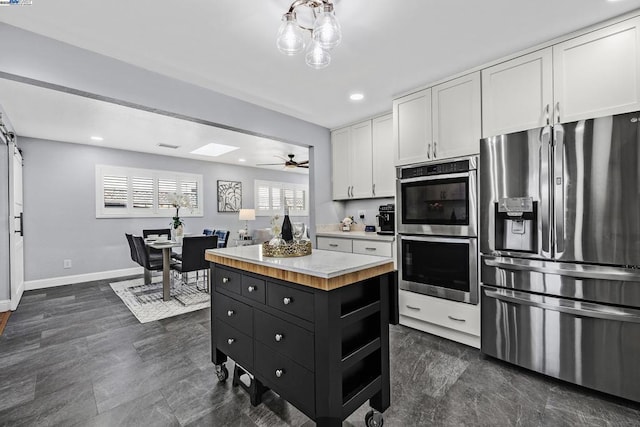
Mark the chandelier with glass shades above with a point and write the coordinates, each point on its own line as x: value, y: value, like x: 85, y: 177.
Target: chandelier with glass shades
x: 325, y: 34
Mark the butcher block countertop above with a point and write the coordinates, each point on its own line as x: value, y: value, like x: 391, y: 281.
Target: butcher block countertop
x: 325, y: 270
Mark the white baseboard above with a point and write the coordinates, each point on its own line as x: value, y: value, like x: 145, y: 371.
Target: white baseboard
x: 5, y: 305
x: 79, y: 278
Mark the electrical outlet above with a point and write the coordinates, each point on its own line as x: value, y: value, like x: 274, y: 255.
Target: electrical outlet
x: 67, y: 263
x: 361, y: 214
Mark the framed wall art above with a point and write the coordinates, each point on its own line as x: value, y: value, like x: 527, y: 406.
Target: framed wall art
x: 229, y: 196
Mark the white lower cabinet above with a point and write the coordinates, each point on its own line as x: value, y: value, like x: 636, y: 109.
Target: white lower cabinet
x: 334, y: 244
x: 373, y: 247
x: 383, y: 248
x: 449, y: 319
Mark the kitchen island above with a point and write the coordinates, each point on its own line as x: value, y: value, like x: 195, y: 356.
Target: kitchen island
x: 314, y: 329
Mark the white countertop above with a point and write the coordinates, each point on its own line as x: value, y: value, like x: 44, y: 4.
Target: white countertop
x: 321, y: 263
x: 364, y: 235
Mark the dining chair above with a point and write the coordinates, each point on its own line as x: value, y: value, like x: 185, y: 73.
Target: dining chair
x: 223, y: 237
x: 132, y: 248
x: 145, y: 260
x: 207, y: 232
x: 193, y: 248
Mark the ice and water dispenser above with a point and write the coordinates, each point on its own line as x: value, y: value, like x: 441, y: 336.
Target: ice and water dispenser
x: 516, y: 219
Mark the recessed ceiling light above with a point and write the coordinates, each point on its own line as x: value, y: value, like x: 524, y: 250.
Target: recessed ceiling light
x: 356, y: 97
x: 97, y: 138
x: 242, y: 160
x: 214, y: 149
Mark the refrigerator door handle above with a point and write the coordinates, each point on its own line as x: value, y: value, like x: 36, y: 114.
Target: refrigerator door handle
x: 577, y: 308
x: 558, y: 185
x: 543, y: 184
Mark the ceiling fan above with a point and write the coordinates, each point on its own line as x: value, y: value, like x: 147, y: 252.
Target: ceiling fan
x: 288, y: 163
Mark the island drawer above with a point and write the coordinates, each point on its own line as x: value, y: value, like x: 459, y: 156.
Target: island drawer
x: 290, y: 380
x: 234, y: 343
x: 253, y: 288
x: 227, y: 279
x: 234, y: 313
x: 293, y: 301
x: 290, y: 340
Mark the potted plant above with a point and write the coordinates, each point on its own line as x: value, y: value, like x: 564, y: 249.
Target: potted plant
x: 178, y: 200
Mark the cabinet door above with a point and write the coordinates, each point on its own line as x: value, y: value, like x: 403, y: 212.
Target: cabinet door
x: 340, y: 163
x: 456, y: 117
x: 384, y: 172
x: 359, y: 168
x: 517, y: 94
x: 598, y: 74
x: 412, y: 128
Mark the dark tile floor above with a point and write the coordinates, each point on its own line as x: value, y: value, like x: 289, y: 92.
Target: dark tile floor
x: 75, y: 356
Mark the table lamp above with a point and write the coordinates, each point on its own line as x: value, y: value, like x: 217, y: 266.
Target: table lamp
x: 246, y: 215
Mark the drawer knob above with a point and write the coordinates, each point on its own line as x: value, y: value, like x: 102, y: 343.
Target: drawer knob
x: 251, y: 288
x: 225, y: 280
x: 230, y: 313
x: 279, y: 372
x: 287, y: 300
x: 279, y: 337
x: 231, y: 341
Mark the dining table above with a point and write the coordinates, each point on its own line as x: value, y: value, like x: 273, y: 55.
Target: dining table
x: 165, y: 246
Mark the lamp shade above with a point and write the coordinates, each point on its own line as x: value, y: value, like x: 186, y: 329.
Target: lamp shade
x: 247, y: 214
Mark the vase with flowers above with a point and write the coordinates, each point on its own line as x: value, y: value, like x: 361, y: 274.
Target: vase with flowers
x: 178, y: 200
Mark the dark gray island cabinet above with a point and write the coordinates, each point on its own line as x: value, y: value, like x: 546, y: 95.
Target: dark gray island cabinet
x: 314, y: 329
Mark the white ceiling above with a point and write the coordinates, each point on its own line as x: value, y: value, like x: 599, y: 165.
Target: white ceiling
x: 389, y: 47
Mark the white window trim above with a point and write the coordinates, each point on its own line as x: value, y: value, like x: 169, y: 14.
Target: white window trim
x: 155, y: 211
x: 282, y: 186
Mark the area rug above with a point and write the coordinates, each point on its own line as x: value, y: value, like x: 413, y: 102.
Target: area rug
x: 146, y: 304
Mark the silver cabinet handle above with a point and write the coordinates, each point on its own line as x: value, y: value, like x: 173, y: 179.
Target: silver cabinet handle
x: 429, y: 151
x: 230, y: 313
x: 287, y: 300
x: 333, y: 245
x: 558, y: 112
x: 279, y: 337
x: 412, y: 307
x: 279, y: 372
x: 251, y: 288
x: 373, y: 189
x: 225, y: 280
x: 546, y: 114
x: 370, y: 249
x: 435, y: 151
x: 231, y: 341
x: 456, y: 319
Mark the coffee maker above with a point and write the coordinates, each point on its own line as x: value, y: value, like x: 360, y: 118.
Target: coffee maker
x: 387, y: 219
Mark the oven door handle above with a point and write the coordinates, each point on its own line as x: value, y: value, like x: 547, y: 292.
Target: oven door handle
x: 577, y: 308
x: 437, y: 177
x: 437, y: 239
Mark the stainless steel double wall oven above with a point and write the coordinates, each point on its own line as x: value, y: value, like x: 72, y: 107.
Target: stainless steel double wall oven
x: 437, y: 229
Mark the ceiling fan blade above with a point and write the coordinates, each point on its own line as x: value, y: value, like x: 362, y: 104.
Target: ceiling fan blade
x: 268, y: 164
x: 304, y: 162
x: 302, y: 166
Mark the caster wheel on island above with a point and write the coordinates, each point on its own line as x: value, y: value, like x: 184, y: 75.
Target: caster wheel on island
x: 222, y: 373
x: 373, y: 419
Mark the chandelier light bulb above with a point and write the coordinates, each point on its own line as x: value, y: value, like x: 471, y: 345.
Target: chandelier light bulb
x: 326, y: 29
x: 317, y: 57
x: 290, y: 40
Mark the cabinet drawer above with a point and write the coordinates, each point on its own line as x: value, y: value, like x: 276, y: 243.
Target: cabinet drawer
x: 227, y: 279
x: 449, y: 314
x: 290, y: 340
x: 333, y: 244
x: 234, y: 313
x: 234, y: 343
x: 290, y: 380
x: 290, y: 300
x: 253, y: 288
x: 372, y: 247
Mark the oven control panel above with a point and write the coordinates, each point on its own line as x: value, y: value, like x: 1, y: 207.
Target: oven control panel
x: 436, y: 169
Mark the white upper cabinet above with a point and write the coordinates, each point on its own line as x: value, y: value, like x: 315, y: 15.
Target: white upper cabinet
x: 456, y: 118
x: 360, y: 161
x: 340, y: 147
x: 384, y: 172
x: 412, y: 134
x: 517, y: 94
x: 351, y: 155
x: 598, y: 73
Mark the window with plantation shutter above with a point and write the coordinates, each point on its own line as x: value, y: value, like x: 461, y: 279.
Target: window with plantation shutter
x: 271, y: 198
x: 127, y: 192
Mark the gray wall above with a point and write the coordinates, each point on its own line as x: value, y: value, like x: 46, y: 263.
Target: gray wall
x: 32, y: 56
x: 59, y: 201
x: 5, y: 290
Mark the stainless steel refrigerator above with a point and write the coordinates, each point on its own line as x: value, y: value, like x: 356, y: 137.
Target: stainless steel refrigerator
x: 560, y: 245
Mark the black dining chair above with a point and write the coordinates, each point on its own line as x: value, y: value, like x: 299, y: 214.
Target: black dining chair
x: 193, y: 248
x: 145, y: 260
x: 132, y: 248
x: 207, y: 232
x: 223, y: 237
